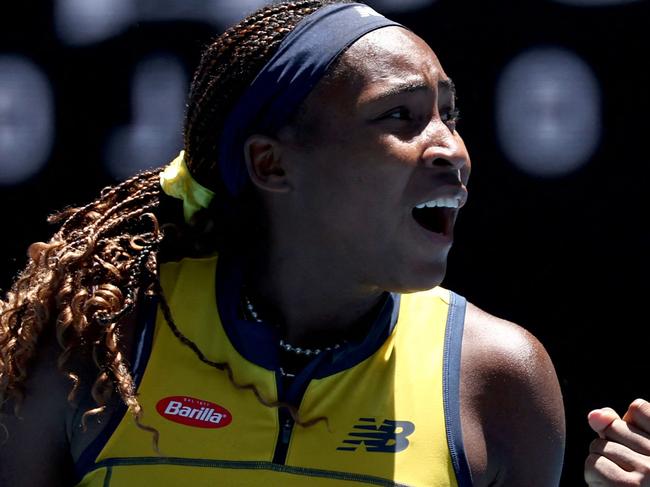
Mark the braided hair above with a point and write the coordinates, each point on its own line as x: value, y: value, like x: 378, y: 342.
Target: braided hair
x: 104, y: 257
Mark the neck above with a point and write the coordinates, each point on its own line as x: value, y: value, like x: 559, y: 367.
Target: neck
x: 314, y: 304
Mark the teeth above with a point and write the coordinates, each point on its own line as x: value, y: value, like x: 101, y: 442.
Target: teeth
x: 441, y: 203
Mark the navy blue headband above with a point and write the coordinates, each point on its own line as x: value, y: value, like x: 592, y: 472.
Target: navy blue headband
x: 285, y: 81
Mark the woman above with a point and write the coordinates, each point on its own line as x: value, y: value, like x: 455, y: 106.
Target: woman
x: 282, y: 325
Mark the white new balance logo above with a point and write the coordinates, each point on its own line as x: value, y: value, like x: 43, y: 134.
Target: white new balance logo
x: 365, y: 11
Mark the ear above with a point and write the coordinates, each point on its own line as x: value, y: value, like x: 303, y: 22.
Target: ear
x: 263, y: 156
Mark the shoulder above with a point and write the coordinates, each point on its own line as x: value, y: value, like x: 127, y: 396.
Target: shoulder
x: 512, y: 400
x: 496, y: 348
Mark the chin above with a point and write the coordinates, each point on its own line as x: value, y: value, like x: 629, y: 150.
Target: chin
x: 421, y: 278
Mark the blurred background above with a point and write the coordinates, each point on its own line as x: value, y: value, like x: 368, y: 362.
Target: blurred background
x: 555, y: 105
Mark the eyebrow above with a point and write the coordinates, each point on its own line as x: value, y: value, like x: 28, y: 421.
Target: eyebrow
x: 449, y: 85
x: 413, y: 86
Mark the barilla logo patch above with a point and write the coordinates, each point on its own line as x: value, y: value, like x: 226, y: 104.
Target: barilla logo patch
x: 193, y: 412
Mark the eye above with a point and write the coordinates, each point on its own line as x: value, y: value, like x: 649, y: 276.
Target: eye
x: 399, y: 113
x: 450, y: 118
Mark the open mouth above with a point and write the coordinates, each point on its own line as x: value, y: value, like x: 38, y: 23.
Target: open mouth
x: 436, y: 220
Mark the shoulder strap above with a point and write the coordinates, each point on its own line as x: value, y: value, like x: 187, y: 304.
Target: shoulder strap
x: 451, y: 387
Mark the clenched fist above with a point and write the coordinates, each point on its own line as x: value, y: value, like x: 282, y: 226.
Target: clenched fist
x: 620, y: 457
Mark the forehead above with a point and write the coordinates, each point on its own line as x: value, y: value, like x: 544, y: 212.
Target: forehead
x: 372, y: 66
x: 391, y: 52
x: 382, y: 62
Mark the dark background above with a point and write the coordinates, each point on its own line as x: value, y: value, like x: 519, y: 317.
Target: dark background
x: 564, y: 256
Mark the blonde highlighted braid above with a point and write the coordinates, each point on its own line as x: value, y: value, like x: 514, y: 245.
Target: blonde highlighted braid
x: 104, y: 257
x: 83, y: 282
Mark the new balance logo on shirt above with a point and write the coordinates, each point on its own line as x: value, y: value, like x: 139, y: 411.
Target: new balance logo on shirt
x: 387, y: 437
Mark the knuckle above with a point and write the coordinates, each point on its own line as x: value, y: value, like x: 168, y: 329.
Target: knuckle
x: 597, y: 445
x: 644, y: 447
x: 635, y: 480
x: 590, y: 473
x: 592, y: 464
x: 644, y: 409
x: 644, y: 469
x: 640, y: 408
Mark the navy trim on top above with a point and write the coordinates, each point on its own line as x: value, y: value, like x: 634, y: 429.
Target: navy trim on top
x: 355, y: 353
x: 258, y: 342
x: 146, y: 322
x: 451, y: 388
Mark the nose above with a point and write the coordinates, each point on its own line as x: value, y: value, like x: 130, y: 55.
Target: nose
x: 445, y: 149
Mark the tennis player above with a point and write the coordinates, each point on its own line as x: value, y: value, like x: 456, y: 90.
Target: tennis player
x: 266, y: 309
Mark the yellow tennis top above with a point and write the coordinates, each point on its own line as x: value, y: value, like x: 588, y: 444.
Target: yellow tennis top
x: 391, y: 401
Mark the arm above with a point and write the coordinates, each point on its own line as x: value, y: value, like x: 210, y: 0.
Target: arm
x: 513, y: 416
x: 38, y: 446
x: 621, y: 454
x: 34, y: 448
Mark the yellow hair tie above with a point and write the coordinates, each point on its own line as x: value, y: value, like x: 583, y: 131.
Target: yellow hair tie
x: 177, y: 182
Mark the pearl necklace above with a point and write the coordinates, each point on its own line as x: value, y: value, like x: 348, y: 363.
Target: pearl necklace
x: 284, y: 344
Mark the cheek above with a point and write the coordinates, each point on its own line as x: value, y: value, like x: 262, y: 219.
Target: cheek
x: 355, y: 179
x: 355, y: 207
x: 371, y: 191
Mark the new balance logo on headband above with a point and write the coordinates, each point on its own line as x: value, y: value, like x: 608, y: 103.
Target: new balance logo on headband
x: 365, y: 11
x: 388, y: 437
